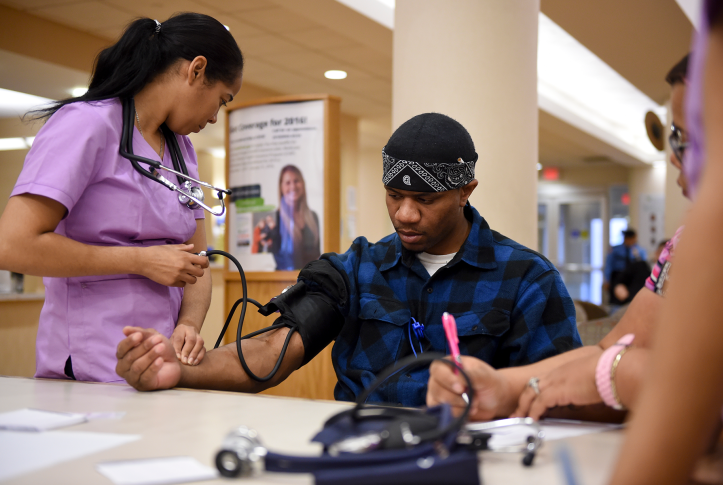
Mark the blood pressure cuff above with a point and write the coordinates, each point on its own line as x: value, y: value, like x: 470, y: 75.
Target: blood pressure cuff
x: 316, y: 305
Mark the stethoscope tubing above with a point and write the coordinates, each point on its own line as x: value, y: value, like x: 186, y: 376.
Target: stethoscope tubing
x: 179, y: 165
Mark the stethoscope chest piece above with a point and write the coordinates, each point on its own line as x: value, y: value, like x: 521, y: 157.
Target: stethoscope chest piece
x: 194, y: 191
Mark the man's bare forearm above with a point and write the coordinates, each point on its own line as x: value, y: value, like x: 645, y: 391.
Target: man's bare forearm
x: 221, y: 369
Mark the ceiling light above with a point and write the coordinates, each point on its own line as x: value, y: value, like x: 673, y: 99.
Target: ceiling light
x: 381, y: 11
x: 692, y: 10
x: 13, y: 103
x: 226, y: 27
x: 333, y: 74
x: 539, y: 167
x: 78, y: 92
x: 16, y: 143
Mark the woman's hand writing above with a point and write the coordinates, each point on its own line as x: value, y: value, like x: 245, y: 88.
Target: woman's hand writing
x: 571, y: 383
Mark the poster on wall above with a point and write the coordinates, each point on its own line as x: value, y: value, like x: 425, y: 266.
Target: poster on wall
x: 276, y: 175
x: 652, y: 222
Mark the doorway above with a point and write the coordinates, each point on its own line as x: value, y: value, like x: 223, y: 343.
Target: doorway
x: 572, y: 233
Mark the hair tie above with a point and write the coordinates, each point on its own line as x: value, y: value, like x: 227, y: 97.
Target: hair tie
x: 158, y: 26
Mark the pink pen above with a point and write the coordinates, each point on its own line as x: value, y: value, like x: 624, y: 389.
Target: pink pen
x: 450, y: 331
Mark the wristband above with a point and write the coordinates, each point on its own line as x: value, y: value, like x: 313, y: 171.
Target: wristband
x: 606, y: 369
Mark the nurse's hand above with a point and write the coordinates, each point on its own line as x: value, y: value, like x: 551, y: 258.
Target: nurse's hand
x: 172, y: 264
x: 188, y: 344
x: 146, y: 360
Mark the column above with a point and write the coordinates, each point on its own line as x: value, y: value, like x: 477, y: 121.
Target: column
x: 476, y: 61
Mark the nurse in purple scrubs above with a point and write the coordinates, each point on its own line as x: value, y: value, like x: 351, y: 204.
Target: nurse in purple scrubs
x: 116, y: 248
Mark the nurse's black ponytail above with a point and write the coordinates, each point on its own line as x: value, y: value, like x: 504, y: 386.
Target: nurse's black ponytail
x: 146, y: 50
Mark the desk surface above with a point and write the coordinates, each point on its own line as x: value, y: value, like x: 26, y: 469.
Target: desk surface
x: 193, y: 423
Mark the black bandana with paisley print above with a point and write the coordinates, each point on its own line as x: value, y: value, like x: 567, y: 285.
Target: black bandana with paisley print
x: 424, y: 176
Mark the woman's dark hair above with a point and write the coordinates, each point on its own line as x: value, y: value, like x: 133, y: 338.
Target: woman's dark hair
x: 144, y: 51
x: 679, y: 72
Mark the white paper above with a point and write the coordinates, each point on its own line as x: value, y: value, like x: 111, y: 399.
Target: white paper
x: 108, y: 415
x: 552, y: 429
x: 22, y: 452
x: 38, y: 420
x: 177, y: 469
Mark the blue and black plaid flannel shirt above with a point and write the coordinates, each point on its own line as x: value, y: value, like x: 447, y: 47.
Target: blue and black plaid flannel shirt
x: 510, y: 304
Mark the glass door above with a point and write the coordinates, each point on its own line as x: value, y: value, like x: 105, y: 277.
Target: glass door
x: 572, y: 236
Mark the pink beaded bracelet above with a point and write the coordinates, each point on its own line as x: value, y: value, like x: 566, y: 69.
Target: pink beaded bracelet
x: 605, y: 371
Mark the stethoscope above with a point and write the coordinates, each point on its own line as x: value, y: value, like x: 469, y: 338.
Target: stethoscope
x: 189, y: 195
x: 410, y: 435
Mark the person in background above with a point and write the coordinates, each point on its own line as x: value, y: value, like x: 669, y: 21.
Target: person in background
x: 256, y: 236
x: 266, y: 234
x: 114, y: 247
x: 620, y: 258
x: 630, y: 281
x: 296, y: 234
x: 679, y: 407
x: 572, y: 377
x: 660, y: 248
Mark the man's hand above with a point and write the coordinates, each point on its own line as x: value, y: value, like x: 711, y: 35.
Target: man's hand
x: 621, y: 292
x: 491, y: 389
x: 172, y: 265
x: 571, y: 383
x: 188, y: 344
x: 146, y: 360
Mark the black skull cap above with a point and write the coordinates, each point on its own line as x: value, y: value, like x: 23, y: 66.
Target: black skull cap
x: 431, y: 138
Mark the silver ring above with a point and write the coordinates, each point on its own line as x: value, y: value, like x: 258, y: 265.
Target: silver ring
x: 534, y: 383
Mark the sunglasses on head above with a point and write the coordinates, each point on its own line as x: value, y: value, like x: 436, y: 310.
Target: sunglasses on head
x: 677, y: 145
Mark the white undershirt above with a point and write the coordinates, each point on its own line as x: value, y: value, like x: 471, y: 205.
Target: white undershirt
x: 432, y: 262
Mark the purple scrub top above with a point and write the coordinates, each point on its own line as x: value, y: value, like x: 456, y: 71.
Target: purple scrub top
x: 694, y: 159
x: 75, y: 161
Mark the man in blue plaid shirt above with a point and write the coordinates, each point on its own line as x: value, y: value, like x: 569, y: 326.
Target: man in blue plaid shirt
x: 384, y: 301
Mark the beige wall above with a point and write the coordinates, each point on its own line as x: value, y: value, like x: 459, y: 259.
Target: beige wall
x: 642, y: 181
x: 42, y: 39
x: 676, y: 205
x: 18, y: 329
x: 373, y: 220
x: 11, y: 161
x: 477, y: 62
x: 349, y: 180
x: 593, y: 176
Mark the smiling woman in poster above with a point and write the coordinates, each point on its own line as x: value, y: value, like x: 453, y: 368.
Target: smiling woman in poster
x: 296, y: 236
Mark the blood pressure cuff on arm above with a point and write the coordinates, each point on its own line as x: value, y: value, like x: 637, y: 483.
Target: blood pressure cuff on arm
x: 316, y: 304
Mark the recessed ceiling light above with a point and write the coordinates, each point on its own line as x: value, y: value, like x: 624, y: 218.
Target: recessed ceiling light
x: 539, y: 167
x: 334, y: 74
x: 78, y: 92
